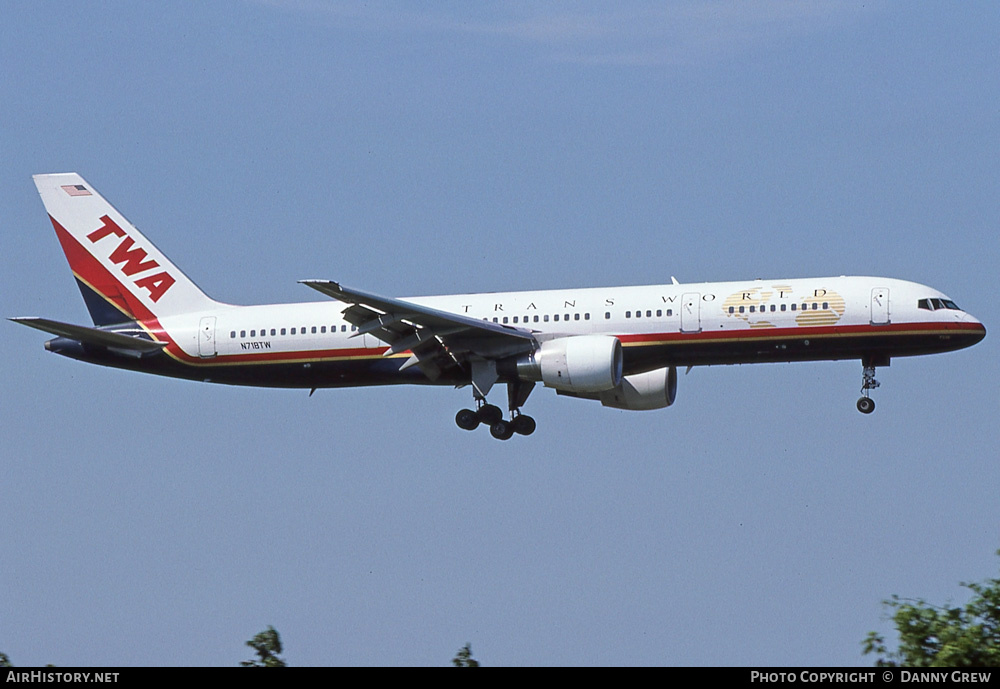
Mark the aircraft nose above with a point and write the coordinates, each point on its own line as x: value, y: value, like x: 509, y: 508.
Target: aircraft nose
x: 981, y: 330
x: 973, y: 328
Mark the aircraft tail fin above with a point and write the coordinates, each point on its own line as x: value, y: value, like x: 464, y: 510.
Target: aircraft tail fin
x: 121, y: 274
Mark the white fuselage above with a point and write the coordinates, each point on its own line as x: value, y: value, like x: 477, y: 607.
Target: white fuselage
x: 759, y: 309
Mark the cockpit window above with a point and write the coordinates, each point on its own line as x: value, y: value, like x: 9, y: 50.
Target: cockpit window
x: 934, y: 303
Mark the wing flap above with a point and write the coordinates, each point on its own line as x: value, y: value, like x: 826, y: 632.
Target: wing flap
x: 437, y: 340
x: 417, y: 314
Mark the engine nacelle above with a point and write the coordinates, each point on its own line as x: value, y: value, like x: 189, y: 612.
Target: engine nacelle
x: 642, y: 391
x: 584, y: 363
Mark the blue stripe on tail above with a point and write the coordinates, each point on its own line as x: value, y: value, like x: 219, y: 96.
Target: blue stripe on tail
x: 101, y: 311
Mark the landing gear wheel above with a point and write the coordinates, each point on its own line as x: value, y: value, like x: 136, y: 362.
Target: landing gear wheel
x: 467, y: 419
x: 866, y: 405
x: 489, y: 414
x: 523, y: 425
x: 502, y: 430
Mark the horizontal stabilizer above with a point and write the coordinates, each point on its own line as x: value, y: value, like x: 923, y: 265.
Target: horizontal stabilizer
x: 92, y: 336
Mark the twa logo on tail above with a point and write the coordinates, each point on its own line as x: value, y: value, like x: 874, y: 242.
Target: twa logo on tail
x: 121, y: 273
x: 133, y: 259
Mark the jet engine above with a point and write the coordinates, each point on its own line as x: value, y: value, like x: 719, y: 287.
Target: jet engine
x: 584, y: 363
x: 642, y: 391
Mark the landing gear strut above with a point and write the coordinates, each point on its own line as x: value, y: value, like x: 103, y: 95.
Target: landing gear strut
x: 866, y: 405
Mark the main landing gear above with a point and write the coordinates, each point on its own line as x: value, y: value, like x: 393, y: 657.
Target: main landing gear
x: 866, y: 405
x: 491, y: 415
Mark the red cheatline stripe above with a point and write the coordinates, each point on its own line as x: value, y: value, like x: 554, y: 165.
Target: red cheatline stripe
x: 801, y: 332
x: 643, y: 340
x: 300, y: 356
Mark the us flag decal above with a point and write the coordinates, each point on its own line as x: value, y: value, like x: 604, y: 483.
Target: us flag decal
x: 76, y: 190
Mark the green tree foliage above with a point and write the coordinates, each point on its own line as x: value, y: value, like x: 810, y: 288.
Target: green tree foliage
x: 267, y: 644
x: 464, y: 657
x: 943, y: 636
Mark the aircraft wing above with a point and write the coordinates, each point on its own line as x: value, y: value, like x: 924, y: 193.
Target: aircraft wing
x: 437, y: 339
x: 103, y: 338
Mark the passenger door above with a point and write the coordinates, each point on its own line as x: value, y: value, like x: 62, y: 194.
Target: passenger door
x: 691, y: 313
x: 206, y: 338
x: 880, y: 306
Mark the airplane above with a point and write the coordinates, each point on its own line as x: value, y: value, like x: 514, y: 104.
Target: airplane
x: 620, y: 346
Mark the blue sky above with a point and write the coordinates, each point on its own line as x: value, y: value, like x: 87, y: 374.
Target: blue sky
x: 759, y: 521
